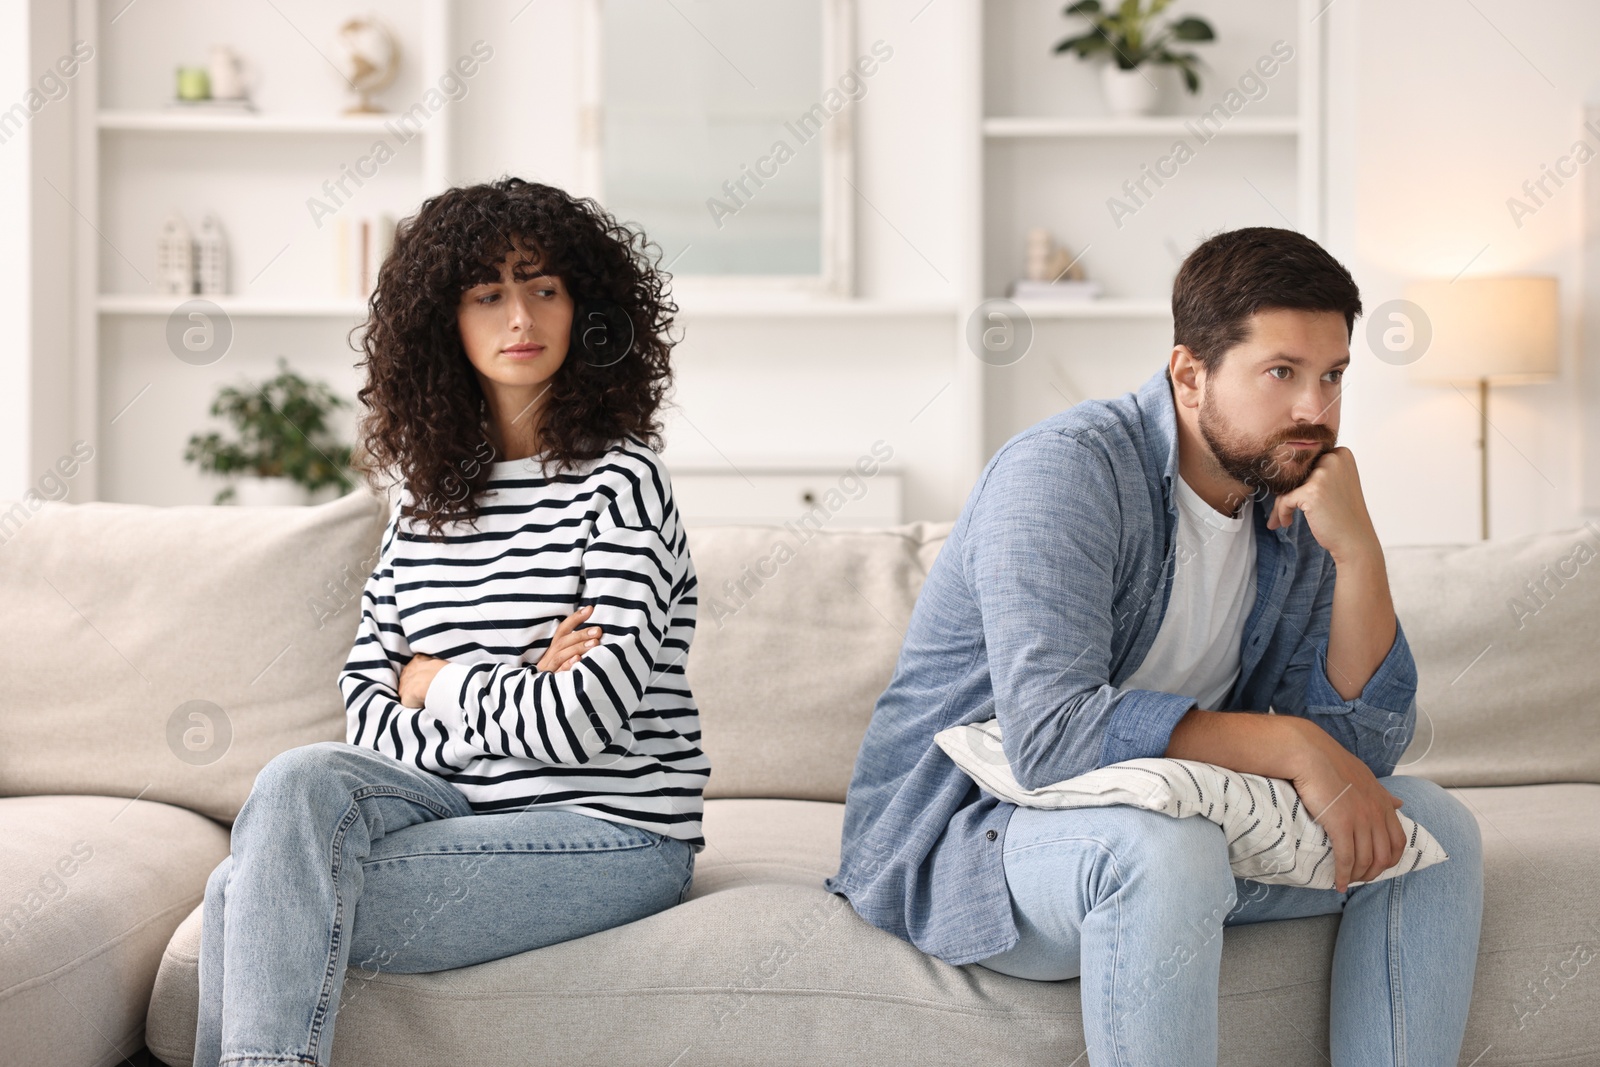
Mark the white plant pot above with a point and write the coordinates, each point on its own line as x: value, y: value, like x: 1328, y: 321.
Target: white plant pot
x: 1128, y: 92
x: 254, y: 491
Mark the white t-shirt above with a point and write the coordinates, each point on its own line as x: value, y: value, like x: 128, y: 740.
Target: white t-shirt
x: 1196, y: 651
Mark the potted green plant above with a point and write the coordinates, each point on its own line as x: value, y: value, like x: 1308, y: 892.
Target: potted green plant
x: 284, y: 450
x: 1130, y: 37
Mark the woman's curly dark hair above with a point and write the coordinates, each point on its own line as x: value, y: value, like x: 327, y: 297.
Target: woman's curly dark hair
x: 425, y: 420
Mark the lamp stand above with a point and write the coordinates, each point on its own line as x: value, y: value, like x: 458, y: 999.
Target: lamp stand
x: 1483, y: 458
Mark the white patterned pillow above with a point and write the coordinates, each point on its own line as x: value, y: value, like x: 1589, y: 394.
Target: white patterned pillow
x: 1271, y: 837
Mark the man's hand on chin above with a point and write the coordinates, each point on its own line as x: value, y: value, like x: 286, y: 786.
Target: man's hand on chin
x: 1334, y: 508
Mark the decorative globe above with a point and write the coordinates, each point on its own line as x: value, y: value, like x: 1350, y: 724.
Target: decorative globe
x: 368, y: 57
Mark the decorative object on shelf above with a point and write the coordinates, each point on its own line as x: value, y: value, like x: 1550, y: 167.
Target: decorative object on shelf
x: 1129, y: 38
x: 232, y: 76
x: 283, y: 434
x: 369, y: 56
x: 1048, y: 262
x: 193, y: 83
x: 222, y: 85
x: 361, y: 245
x: 1053, y: 272
x: 211, y: 255
x: 175, y: 257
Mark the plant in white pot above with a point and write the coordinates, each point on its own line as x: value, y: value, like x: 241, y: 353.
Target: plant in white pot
x: 1129, y: 36
x: 284, y: 451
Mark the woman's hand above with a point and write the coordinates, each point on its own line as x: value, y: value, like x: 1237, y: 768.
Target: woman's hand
x: 416, y: 676
x: 567, y: 645
x: 566, y: 648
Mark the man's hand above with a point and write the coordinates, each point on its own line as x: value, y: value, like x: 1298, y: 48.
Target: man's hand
x: 1333, y: 505
x: 416, y: 676
x: 1341, y: 795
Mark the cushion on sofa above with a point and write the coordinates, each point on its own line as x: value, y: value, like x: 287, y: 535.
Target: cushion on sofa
x: 794, y: 641
x: 1509, y: 679
x: 745, y: 969
x: 91, y: 890
x: 171, y: 652
x: 1271, y: 835
x: 1506, y: 635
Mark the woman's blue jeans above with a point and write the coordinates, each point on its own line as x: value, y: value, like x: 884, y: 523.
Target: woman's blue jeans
x: 1132, y: 903
x: 343, y: 856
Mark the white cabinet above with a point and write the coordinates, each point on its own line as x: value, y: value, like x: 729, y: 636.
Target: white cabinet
x: 834, y: 498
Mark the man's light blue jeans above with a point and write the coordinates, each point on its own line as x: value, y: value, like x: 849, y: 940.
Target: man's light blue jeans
x: 343, y: 856
x: 1132, y: 903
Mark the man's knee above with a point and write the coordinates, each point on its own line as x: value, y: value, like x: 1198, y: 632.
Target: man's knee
x: 1179, y: 859
x: 1446, y: 817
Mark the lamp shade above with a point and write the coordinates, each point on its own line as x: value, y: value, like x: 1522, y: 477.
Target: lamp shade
x: 1502, y: 329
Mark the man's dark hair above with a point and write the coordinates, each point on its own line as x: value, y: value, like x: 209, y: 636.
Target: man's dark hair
x: 1234, y: 274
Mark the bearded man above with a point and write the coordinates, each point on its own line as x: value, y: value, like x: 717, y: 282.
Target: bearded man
x: 1186, y: 571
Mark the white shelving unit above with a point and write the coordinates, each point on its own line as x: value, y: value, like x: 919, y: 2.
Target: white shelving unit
x: 1028, y: 143
x: 1151, y: 126
x: 1019, y: 169
x: 137, y: 158
x: 248, y: 122
x: 743, y: 307
x: 1104, y: 308
x: 332, y: 307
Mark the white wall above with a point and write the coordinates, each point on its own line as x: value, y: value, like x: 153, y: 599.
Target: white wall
x: 15, y: 328
x: 35, y: 257
x: 1439, y: 112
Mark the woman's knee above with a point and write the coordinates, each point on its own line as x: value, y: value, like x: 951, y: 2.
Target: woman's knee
x: 217, y: 881
x: 295, y: 775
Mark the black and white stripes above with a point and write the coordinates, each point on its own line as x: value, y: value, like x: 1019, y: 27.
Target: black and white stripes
x: 618, y: 735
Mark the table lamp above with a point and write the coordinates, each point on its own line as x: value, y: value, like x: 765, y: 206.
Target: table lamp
x: 1487, y: 329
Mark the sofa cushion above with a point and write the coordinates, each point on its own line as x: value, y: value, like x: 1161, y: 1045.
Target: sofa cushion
x: 1536, y: 994
x: 796, y: 637
x: 1509, y: 686
x: 172, y: 652
x: 1504, y: 634
x: 92, y: 889
x: 759, y: 953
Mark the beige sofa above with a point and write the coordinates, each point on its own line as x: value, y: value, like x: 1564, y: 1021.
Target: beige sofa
x: 158, y: 657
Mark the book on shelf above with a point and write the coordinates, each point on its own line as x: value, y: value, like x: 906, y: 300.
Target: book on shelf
x: 360, y: 247
x: 1027, y: 289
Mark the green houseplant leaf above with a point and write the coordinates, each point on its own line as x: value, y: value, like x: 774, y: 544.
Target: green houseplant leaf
x: 1132, y: 35
x: 282, y: 431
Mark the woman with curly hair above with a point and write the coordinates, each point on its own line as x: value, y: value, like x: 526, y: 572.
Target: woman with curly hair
x: 522, y: 761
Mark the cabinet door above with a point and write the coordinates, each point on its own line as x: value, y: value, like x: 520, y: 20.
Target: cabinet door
x: 840, y: 499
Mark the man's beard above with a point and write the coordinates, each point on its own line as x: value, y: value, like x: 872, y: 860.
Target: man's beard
x: 1270, y: 466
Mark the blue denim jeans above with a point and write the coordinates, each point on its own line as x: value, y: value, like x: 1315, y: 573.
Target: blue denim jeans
x: 343, y: 856
x: 1132, y: 903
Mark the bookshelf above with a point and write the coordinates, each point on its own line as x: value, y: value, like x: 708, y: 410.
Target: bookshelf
x: 1039, y: 149
x: 137, y: 159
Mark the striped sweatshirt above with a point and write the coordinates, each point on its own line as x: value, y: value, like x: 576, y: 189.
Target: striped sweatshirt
x: 617, y: 736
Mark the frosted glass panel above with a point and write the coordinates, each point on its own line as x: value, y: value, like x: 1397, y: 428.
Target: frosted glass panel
x: 706, y: 143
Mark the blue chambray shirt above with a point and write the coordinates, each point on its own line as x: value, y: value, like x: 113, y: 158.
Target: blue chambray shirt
x: 1048, y: 592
